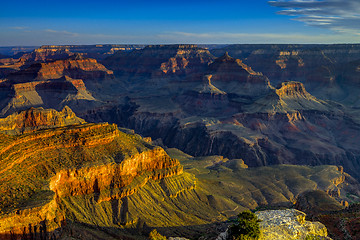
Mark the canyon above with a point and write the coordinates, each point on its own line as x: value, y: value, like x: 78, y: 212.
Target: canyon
x: 61, y: 176
x: 221, y: 129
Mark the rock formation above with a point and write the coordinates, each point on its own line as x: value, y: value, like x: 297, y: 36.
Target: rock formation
x: 340, y: 217
x: 43, y: 171
x: 54, y: 84
x: 285, y: 225
x: 44, y: 54
x: 289, y: 224
x: 38, y: 118
x: 236, y: 112
x: 75, y: 67
x: 99, y: 51
x: 326, y: 70
x: 233, y: 76
x: 63, y: 177
x: 25, y: 56
x: 275, y: 186
x: 160, y: 60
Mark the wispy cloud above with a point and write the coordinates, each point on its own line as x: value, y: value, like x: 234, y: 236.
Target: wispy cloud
x: 18, y: 28
x: 338, y: 15
x: 48, y: 31
x: 63, y: 32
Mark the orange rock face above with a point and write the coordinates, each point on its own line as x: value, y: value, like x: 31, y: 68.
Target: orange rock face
x: 291, y: 89
x: 46, y: 54
x: 76, y: 68
x: 113, y: 178
x: 70, y: 67
x: 72, y: 161
x: 38, y: 118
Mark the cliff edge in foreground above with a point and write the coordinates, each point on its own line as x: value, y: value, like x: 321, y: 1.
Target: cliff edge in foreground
x: 289, y: 224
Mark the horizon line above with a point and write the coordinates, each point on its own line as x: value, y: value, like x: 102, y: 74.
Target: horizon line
x: 165, y: 44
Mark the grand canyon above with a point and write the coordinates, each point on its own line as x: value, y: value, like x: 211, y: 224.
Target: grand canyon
x: 116, y: 141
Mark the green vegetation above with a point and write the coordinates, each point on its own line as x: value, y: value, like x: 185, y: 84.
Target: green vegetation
x: 246, y: 227
x: 313, y: 237
x: 154, y: 235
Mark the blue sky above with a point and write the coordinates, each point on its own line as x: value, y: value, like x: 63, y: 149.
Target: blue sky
x: 156, y: 22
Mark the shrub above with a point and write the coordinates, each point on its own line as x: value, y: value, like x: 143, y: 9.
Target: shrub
x: 154, y: 235
x: 246, y: 227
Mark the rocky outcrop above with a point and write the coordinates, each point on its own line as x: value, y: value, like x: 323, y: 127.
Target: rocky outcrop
x: 326, y: 70
x: 340, y: 217
x: 23, y: 57
x: 75, y: 67
x: 227, y: 64
x: 38, y: 118
x: 289, y: 97
x: 160, y: 60
x: 317, y: 202
x: 104, y: 184
x: 72, y: 161
x: 289, y: 224
x: 233, y: 76
x: 208, y: 87
x: 55, y: 93
x: 43, y: 54
x: 99, y: 51
x: 115, y: 182
x: 54, y: 85
x: 204, y: 99
x: 285, y: 225
x: 292, y: 89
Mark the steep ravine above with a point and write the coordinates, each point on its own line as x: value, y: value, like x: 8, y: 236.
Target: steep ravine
x: 302, y: 137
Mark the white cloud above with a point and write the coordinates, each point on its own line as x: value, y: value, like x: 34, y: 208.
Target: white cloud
x: 338, y: 15
x: 18, y: 28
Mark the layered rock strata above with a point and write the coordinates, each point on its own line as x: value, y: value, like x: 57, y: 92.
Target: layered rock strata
x: 289, y: 224
x: 42, y: 170
x: 160, y: 60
